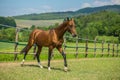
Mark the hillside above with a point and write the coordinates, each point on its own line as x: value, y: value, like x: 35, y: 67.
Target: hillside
x: 61, y: 15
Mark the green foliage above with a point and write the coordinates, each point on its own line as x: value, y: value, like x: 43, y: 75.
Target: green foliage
x: 7, y: 34
x: 24, y: 34
x: 101, y: 23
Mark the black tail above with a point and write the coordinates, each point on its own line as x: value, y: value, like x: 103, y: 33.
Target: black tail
x: 29, y: 45
x: 23, y: 50
x: 26, y: 48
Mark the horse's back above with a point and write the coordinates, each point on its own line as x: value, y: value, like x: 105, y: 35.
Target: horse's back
x: 45, y: 38
x: 40, y: 37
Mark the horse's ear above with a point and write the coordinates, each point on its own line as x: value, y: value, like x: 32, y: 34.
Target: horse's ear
x: 67, y: 19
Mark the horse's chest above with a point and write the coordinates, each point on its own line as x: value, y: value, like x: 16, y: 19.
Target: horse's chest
x: 57, y: 42
x: 54, y: 39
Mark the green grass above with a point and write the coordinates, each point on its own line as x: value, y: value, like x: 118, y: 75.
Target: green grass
x: 79, y: 69
x: 41, y: 23
x: 105, y: 68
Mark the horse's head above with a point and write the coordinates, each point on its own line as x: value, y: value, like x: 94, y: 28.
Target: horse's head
x: 71, y: 26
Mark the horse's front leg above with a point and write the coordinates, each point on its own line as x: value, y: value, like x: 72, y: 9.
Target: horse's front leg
x: 49, y: 56
x: 64, y: 57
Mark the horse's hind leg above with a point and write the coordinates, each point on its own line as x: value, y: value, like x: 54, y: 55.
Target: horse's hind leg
x: 37, y: 55
x: 26, y: 49
x: 49, y: 56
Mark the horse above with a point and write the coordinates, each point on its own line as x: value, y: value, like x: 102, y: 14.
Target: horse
x: 52, y: 38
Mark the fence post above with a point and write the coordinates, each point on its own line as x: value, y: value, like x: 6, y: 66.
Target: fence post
x: 95, y: 47
x: 102, y: 48
x: 76, y: 55
x: 108, y: 48
x: 16, y: 43
x: 113, y: 49
x: 117, y: 50
x: 86, y: 49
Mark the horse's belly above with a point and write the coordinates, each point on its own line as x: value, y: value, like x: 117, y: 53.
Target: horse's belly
x: 43, y: 42
x: 47, y: 43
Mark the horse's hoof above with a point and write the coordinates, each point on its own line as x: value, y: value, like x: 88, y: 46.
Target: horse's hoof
x: 40, y: 66
x: 49, y: 69
x: 21, y: 64
x: 65, y: 69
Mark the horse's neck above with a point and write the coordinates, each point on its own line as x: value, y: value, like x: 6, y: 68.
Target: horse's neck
x: 60, y: 30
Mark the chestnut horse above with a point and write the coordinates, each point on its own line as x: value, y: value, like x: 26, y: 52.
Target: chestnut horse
x: 52, y: 39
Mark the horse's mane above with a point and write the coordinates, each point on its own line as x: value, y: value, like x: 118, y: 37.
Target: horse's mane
x: 61, y: 25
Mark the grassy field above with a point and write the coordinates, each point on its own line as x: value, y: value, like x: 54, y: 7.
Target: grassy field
x: 79, y: 69
x: 99, y: 68
x: 41, y: 23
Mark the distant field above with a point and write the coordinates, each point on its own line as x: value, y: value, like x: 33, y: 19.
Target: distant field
x: 41, y: 23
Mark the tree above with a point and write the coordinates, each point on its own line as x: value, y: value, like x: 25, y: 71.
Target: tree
x: 7, y: 21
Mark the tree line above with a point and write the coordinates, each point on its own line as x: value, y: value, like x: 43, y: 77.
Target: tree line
x: 99, y: 24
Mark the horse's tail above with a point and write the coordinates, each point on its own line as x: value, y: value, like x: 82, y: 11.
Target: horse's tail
x: 29, y: 45
x: 24, y: 49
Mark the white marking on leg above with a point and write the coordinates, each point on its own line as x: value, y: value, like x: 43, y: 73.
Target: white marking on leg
x: 40, y: 65
x: 22, y: 63
x: 49, y: 68
x: 65, y: 68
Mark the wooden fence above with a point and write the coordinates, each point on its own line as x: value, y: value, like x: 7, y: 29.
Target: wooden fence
x: 115, y: 47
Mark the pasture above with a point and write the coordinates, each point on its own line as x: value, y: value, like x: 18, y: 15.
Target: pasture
x: 79, y: 69
x: 99, y: 68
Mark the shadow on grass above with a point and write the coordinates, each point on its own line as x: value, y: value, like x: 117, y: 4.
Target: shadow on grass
x: 45, y: 67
